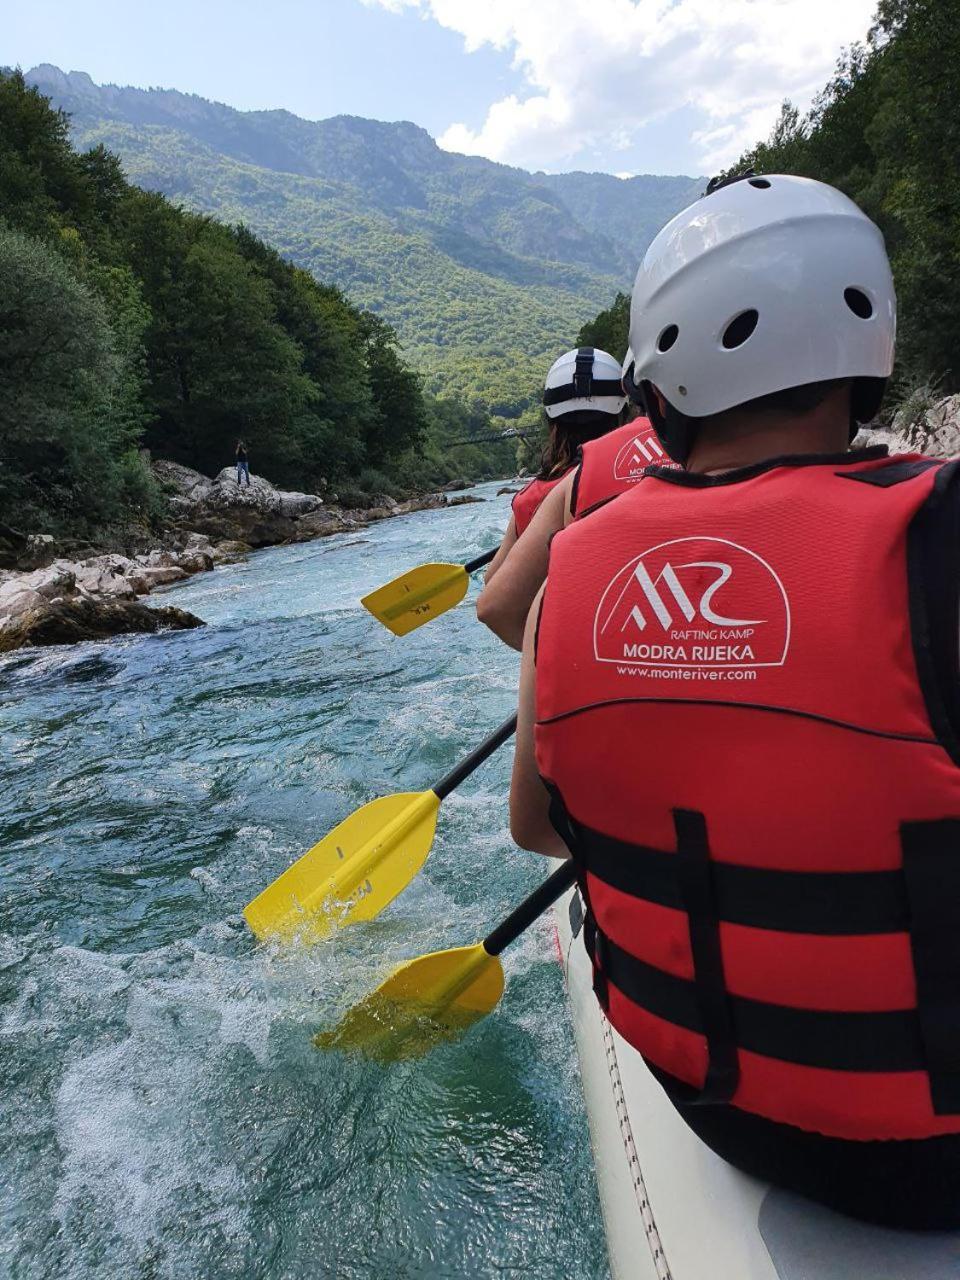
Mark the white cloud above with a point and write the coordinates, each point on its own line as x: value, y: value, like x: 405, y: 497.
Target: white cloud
x: 599, y: 71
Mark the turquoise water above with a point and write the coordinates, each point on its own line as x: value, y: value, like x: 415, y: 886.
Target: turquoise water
x: 162, y: 1111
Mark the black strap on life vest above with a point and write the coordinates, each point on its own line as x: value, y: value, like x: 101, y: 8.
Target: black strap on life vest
x: 895, y: 473
x: 832, y: 903
x: 931, y: 864
x: 881, y: 1042
x: 933, y: 564
x: 694, y: 874
x: 922, y: 899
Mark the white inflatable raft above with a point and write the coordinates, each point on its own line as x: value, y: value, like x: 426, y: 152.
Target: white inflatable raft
x: 675, y: 1211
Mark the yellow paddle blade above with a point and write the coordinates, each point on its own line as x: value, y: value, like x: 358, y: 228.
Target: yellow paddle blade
x: 417, y: 596
x: 353, y: 873
x: 426, y: 1001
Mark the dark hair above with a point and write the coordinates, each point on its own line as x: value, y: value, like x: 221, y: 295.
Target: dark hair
x: 792, y: 400
x: 568, y: 433
x: 677, y: 431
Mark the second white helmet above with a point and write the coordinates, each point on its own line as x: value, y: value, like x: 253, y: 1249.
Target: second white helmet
x: 585, y: 378
x: 767, y: 283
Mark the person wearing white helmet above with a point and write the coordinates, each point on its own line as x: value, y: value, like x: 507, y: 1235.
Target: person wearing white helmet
x: 740, y: 714
x: 582, y: 398
x: 605, y: 465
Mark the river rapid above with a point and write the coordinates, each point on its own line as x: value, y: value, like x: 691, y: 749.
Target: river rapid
x: 163, y: 1113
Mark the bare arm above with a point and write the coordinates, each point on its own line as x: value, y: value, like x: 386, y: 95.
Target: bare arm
x: 509, y: 540
x: 503, y: 604
x: 530, y: 824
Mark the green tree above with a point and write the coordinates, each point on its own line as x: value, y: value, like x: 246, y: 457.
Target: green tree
x: 885, y: 130
x: 66, y: 437
x: 183, y: 332
x: 399, y: 420
x: 610, y: 330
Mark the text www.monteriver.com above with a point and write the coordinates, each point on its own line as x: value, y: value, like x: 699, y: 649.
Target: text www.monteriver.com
x: 690, y: 673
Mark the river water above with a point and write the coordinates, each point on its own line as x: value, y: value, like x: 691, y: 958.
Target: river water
x: 162, y: 1110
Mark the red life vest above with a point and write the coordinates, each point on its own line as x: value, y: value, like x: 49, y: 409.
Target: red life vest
x: 747, y: 693
x: 613, y: 463
x: 527, y: 501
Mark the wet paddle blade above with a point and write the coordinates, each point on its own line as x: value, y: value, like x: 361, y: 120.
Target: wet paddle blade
x: 425, y: 1002
x: 352, y: 873
x: 417, y: 596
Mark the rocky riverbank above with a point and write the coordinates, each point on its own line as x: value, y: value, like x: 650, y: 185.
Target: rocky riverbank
x: 48, y: 596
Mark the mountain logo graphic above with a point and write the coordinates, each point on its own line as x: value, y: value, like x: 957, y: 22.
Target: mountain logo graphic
x: 694, y: 602
x: 641, y: 451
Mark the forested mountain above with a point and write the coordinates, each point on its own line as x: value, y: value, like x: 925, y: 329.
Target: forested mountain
x: 885, y: 130
x: 486, y: 271
x: 126, y: 320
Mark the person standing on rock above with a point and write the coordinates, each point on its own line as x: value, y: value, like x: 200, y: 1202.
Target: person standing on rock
x: 243, y: 466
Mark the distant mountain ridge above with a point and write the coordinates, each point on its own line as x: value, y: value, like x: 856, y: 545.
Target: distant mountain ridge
x: 485, y: 270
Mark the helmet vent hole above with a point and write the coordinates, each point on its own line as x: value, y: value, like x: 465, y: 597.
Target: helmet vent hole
x: 668, y: 337
x: 739, y: 329
x: 858, y: 302
x: 760, y: 183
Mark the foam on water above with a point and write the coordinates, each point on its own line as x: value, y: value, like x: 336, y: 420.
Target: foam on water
x: 163, y: 1114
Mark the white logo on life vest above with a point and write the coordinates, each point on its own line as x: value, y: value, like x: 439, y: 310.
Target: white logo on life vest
x: 640, y: 451
x: 694, y: 602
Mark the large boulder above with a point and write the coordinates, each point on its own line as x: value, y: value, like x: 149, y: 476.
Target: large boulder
x: 105, y: 580
x: 322, y: 523
x: 228, y: 551
x: 920, y: 426
x: 58, y: 579
x: 83, y: 618
x: 180, y: 480
x: 934, y: 430
x: 257, y: 514
x: 16, y: 598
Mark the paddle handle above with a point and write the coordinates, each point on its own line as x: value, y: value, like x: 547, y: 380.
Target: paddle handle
x: 475, y: 758
x: 530, y: 908
x: 472, y: 565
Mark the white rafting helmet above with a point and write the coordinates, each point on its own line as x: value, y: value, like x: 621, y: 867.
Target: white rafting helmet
x: 764, y: 284
x: 585, y: 378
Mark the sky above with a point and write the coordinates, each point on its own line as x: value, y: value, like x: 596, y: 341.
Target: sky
x: 620, y: 86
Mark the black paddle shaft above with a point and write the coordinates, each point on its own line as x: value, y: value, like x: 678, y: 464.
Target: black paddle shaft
x: 530, y: 908
x: 473, y: 565
x: 475, y: 758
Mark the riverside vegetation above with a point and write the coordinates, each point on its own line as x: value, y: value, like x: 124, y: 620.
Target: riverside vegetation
x: 126, y: 321
x: 485, y: 271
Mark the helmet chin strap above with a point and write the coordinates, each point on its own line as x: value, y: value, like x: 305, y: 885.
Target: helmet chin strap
x: 675, y: 431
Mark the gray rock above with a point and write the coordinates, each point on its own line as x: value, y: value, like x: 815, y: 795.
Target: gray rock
x: 160, y: 575
x: 229, y: 552
x: 104, y: 580
x: 183, y: 480
x: 16, y: 599
x: 920, y: 425
x: 220, y: 509
x: 70, y: 621
x: 58, y: 579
